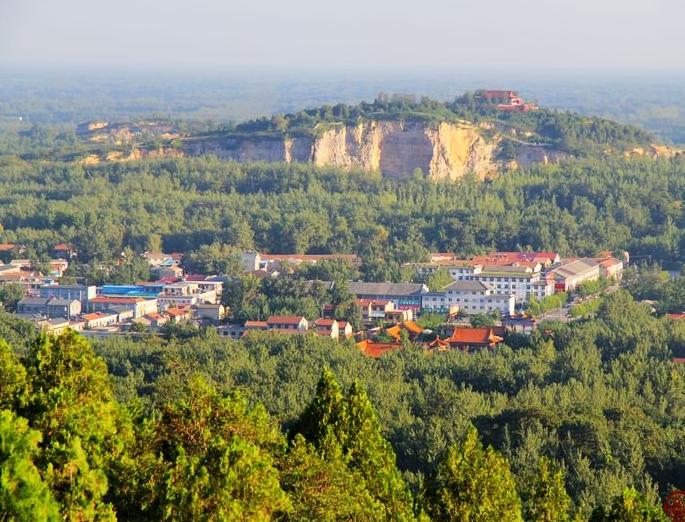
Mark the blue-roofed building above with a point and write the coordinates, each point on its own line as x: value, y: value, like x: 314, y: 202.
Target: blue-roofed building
x: 127, y: 291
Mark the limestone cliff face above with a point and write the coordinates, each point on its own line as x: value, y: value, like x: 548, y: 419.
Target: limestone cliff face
x: 396, y: 148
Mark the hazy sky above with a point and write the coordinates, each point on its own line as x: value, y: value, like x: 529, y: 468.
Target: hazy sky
x: 390, y: 34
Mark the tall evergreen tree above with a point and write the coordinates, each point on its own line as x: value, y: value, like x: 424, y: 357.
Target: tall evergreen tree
x: 325, y: 489
x: 216, y: 459
x: 23, y: 494
x: 85, y: 436
x: 13, y: 383
x: 546, y: 499
x: 347, y: 428
x: 367, y: 451
x: 629, y: 506
x: 473, y: 484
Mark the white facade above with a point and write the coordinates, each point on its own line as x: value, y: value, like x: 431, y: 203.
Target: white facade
x: 520, y: 281
x: 472, y: 297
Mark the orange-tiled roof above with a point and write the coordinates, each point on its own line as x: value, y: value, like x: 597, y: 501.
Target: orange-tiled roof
x: 284, y: 319
x: 676, y: 317
x: 678, y: 360
x: 438, y: 343
x: 412, y: 327
x: 375, y: 350
x: 394, y: 331
x: 509, y: 258
x: 372, y: 302
x: 177, y: 312
x: 482, y: 336
x: 609, y: 262
x: 5, y: 247
x: 255, y: 324
x: 95, y: 315
x: 324, y: 322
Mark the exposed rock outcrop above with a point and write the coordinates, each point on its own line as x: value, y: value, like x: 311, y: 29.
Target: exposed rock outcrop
x: 396, y: 148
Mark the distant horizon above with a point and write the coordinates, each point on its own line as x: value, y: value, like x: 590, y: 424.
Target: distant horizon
x: 570, y: 35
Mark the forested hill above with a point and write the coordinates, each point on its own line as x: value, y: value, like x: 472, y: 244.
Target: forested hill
x: 396, y: 135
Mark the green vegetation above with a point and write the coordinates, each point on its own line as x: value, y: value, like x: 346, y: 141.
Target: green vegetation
x: 537, y: 307
x: 585, y: 424
x: 565, y: 131
x: 196, y: 205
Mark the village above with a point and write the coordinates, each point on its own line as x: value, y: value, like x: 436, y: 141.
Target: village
x: 498, y: 286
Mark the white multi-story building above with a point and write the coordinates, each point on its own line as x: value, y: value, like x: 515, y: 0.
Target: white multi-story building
x: 521, y: 281
x: 472, y: 297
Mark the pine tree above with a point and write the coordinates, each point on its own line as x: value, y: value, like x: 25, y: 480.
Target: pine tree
x: 473, y: 484
x: 546, y: 497
x: 217, y: 459
x: 367, y: 451
x: 347, y: 428
x: 84, y: 433
x: 325, y: 488
x: 323, y: 420
x: 23, y: 494
x: 13, y: 384
x: 630, y: 506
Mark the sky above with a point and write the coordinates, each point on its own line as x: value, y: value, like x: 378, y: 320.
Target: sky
x: 595, y: 35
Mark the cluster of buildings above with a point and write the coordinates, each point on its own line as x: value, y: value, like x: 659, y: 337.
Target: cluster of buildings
x: 117, y: 308
x: 503, y: 281
x: 500, y: 282
x: 172, y: 297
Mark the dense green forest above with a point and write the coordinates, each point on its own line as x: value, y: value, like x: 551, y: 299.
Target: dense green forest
x: 577, y: 207
x: 583, y: 422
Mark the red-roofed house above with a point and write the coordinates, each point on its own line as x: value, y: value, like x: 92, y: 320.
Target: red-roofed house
x: 374, y: 309
x: 65, y: 250
x: 611, y: 268
x: 287, y: 322
x: 326, y: 327
x: 99, y: 319
x: 176, y: 315
x: 344, y: 329
x: 256, y: 325
x: 473, y: 338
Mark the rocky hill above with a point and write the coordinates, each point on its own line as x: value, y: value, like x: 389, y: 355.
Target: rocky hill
x: 394, y: 136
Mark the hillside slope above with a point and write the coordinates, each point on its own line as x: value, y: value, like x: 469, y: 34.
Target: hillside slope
x: 397, y: 136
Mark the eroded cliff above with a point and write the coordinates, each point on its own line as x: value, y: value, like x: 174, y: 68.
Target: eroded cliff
x: 396, y: 148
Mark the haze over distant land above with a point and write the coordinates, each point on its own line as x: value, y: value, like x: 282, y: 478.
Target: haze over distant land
x: 208, y: 34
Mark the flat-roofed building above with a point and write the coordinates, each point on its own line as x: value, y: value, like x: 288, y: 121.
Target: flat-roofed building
x: 569, y: 275
x: 471, y: 297
x: 402, y: 295
x: 81, y: 293
x: 138, y: 305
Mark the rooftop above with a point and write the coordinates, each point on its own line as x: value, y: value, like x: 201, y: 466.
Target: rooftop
x: 467, y: 286
x: 484, y: 336
x: 284, y: 319
x: 389, y: 289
